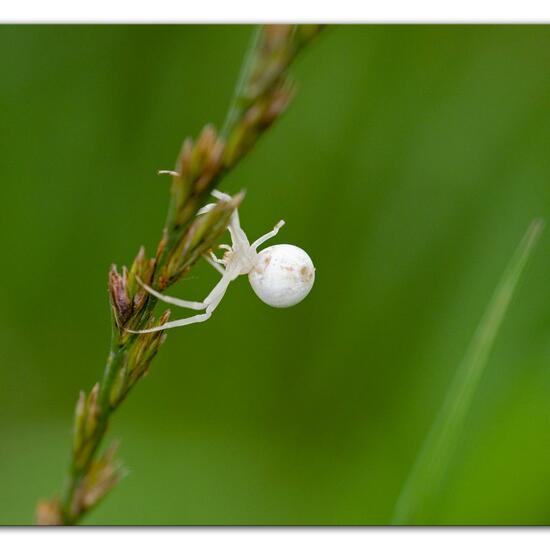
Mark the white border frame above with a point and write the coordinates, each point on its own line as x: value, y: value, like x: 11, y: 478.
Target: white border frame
x: 241, y: 11
x: 275, y: 538
x: 253, y: 11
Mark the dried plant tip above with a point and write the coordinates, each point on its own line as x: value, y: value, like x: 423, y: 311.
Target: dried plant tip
x: 206, y: 157
x: 199, y: 164
x: 207, y: 139
x: 142, y: 268
x: 92, y: 410
x: 164, y: 317
x: 139, y: 260
x: 162, y: 245
x: 103, y: 474
x: 184, y: 158
x: 119, y: 388
x: 48, y: 512
x: 137, y: 363
x: 107, y: 480
x: 277, y: 104
x: 276, y: 36
x: 80, y: 406
x: 79, y: 421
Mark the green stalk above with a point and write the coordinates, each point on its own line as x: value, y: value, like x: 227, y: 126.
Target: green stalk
x: 186, y: 237
x: 418, y: 499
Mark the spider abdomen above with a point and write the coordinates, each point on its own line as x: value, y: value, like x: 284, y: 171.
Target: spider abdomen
x: 283, y: 275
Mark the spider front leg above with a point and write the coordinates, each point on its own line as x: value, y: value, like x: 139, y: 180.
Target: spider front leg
x: 210, y: 303
x: 173, y: 324
x: 238, y: 236
x: 268, y: 236
x: 214, y: 263
x: 170, y: 299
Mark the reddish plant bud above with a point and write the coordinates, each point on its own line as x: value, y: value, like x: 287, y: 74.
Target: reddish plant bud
x: 120, y: 302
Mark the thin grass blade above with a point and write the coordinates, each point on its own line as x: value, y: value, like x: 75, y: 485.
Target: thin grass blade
x: 417, y: 501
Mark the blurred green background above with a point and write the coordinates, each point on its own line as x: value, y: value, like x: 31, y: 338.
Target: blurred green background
x: 409, y: 167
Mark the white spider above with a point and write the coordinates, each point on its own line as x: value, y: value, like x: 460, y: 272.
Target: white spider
x: 280, y: 275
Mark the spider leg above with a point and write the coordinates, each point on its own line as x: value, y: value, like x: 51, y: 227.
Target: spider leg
x: 234, y: 226
x: 215, y: 193
x: 215, y: 297
x: 220, y: 196
x: 173, y: 324
x: 211, y: 302
x: 214, y: 264
x: 170, y: 299
x: 206, y: 208
x: 168, y: 172
x: 267, y: 236
x: 238, y: 236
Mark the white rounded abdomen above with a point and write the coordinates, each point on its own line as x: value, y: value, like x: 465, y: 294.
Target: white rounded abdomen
x: 283, y: 275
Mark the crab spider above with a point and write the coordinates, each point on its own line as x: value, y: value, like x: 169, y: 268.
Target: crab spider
x: 281, y: 275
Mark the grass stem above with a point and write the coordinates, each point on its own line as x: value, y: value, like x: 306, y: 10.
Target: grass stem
x: 260, y: 98
x: 417, y: 501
